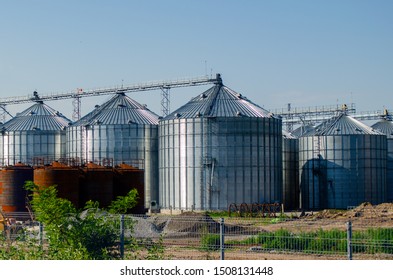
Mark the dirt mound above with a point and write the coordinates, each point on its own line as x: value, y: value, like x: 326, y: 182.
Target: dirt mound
x: 186, y: 224
x: 192, y: 222
x: 364, y: 210
x: 364, y: 213
x: 385, y: 207
x: 329, y: 214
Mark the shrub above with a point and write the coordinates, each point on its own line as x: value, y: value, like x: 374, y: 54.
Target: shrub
x: 210, y: 242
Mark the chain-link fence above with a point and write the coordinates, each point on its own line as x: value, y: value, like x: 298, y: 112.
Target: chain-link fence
x: 202, y: 236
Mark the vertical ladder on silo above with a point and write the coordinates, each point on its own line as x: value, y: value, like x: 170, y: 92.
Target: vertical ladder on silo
x: 213, y: 154
x: 208, y: 164
x: 205, y: 155
x: 82, y: 135
x: 317, y: 146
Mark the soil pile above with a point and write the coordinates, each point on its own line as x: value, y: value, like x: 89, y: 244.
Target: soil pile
x: 365, y: 215
x: 187, y: 224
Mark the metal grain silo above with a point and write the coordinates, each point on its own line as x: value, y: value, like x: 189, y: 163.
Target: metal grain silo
x: 12, y: 192
x: 34, y: 136
x: 342, y: 163
x: 218, y: 149
x: 119, y: 131
x: 290, y: 170
x: 385, y: 126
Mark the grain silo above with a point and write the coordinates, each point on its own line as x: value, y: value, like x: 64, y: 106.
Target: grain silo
x: 290, y: 170
x: 119, y: 131
x: 386, y: 127
x: 342, y: 163
x: 34, y: 136
x: 218, y: 149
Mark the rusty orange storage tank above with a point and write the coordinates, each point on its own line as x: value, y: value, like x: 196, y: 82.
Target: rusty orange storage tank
x: 126, y: 178
x: 65, y: 177
x: 97, y: 184
x: 12, y: 192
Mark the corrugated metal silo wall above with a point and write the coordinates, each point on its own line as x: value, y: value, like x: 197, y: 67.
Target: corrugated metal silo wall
x: 209, y: 163
x: 24, y: 146
x: 12, y: 192
x: 123, y: 144
x: 390, y: 170
x: 342, y: 170
x: 66, y: 178
x: 290, y: 159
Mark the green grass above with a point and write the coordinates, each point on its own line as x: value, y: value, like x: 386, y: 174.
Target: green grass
x: 210, y: 242
x: 371, y: 241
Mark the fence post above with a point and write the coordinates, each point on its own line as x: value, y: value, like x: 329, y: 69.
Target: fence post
x: 222, y: 235
x: 349, y: 240
x: 40, y: 233
x: 122, y: 236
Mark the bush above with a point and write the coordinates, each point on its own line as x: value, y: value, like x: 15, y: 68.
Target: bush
x: 72, y: 234
x: 210, y: 242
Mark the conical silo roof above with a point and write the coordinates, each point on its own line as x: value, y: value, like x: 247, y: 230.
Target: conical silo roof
x: 287, y: 135
x: 302, y: 130
x: 37, y: 117
x: 219, y: 101
x: 120, y: 109
x: 343, y: 124
x: 384, y: 126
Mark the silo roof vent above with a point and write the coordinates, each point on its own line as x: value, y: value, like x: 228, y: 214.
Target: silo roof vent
x: 218, y: 79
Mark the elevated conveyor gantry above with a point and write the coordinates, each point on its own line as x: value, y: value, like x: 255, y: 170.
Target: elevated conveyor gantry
x: 164, y: 86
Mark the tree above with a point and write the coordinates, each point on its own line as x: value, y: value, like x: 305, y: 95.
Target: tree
x: 71, y: 233
x: 124, y: 203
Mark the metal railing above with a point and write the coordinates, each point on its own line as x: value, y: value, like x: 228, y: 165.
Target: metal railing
x: 155, y: 85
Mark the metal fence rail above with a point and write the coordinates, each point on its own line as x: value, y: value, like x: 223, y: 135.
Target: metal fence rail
x: 199, y: 236
x: 258, y: 238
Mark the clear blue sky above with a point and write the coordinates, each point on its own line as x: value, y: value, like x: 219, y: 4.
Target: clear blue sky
x: 305, y: 53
